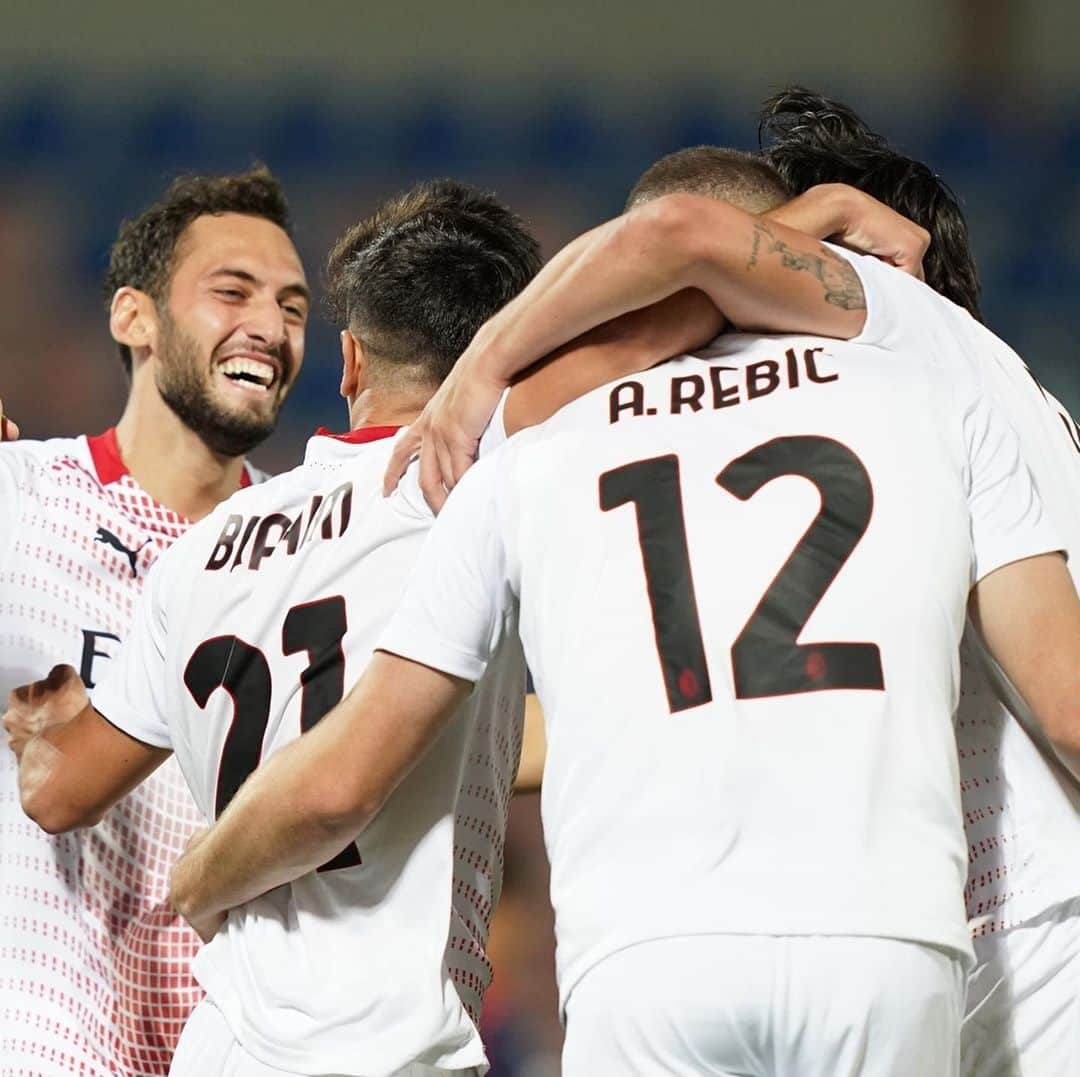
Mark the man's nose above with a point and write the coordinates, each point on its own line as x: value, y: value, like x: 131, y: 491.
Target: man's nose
x: 265, y: 322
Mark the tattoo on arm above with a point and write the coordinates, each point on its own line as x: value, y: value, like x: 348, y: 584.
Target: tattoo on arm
x: 840, y: 281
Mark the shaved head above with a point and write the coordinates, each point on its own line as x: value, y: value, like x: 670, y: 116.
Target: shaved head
x: 743, y: 179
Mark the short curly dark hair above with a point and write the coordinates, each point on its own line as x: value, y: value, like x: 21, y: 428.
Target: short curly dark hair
x: 143, y: 255
x: 417, y: 278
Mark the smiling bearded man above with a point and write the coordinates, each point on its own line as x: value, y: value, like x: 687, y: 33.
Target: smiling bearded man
x: 208, y: 303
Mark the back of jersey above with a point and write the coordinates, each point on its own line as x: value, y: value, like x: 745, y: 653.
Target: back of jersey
x: 743, y: 581
x: 272, y: 607
x: 1021, y: 807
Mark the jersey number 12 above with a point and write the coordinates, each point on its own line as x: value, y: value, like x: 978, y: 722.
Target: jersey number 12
x: 766, y: 658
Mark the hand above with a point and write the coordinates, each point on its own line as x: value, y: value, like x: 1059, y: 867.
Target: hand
x: 447, y: 433
x: 184, y: 871
x: 873, y: 228
x: 33, y: 708
x: 857, y: 221
x: 8, y: 430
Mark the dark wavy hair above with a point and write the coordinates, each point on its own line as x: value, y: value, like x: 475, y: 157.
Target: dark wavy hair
x: 811, y: 139
x: 144, y: 254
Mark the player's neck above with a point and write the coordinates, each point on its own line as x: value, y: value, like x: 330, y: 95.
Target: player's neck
x: 169, y: 461
x: 385, y: 407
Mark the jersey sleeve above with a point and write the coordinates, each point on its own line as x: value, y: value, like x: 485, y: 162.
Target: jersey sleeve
x: 902, y: 313
x: 1007, y: 518
x: 133, y: 692
x: 456, y: 606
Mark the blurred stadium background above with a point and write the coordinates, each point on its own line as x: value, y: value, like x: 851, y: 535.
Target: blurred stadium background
x: 555, y: 106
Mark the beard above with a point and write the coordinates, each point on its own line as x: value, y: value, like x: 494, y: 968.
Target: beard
x: 186, y: 389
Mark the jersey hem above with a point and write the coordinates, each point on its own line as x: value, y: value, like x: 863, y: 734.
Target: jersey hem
x: 150, y: 742
x: 1001, y: 557
x: 428, y: 652
x: 274, y: 1053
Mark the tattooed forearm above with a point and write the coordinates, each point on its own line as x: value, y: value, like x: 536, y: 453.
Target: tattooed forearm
x: 758, y: 230
x: 840, y: 281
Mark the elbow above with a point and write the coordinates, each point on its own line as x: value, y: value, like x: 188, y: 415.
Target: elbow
x: 670, y: 229
x: 682, y: 231
x: 54, y: 814
x: 1062, y: 728
x: 337, y: 810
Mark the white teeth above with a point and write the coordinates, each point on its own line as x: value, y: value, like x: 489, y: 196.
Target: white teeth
x: 262, y: 373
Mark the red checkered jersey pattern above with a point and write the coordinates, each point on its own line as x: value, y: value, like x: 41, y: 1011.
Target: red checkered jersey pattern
x: 94, y: 966
x: 479, y: 832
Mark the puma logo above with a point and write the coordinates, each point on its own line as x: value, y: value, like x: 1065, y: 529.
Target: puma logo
x: 111, y: 540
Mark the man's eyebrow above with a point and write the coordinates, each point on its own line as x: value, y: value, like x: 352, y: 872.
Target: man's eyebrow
x: 299, y: 288
x: 240, y: 274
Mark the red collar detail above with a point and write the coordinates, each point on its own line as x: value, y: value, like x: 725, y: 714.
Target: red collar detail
x: 361, y: 435
x: 110, y: 466
x: 105, y: 453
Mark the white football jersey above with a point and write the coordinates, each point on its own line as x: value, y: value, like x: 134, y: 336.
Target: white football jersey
x: 1021, y: 808
x: 93, y: 962
x: 250, y: 631
x: 743, y: 580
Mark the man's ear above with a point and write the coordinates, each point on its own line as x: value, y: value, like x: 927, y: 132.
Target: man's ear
x: 352, y: 365
x: 133, y: 318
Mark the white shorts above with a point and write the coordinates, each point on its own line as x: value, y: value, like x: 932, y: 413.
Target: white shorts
x: 207, y: 1048
x: 1023, y: 1016
x: 750, y: 1005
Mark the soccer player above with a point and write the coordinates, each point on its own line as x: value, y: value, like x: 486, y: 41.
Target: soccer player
x: 249, y: 631
x: 751, y: 787
x: 207, y: 303
x: 1021, y: 809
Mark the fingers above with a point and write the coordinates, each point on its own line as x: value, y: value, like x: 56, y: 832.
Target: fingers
x: 446, y: 465
x: 8, y: 430
x: 431, y: 480
x: 913, y: 250
x: 62, y: 676
x: 459, y: 462
x: 59, y: 678
x: 17, y: 730
x: 405, y: 451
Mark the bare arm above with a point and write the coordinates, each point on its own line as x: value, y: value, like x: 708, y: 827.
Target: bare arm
x: 854, y: 219
x: 627, y: 345
x: 8, y: 430
x: 759, y: 274
x: 617, y: 349
x: 73, y: 773
x: 310, y: 799
x: 1028, y: 615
